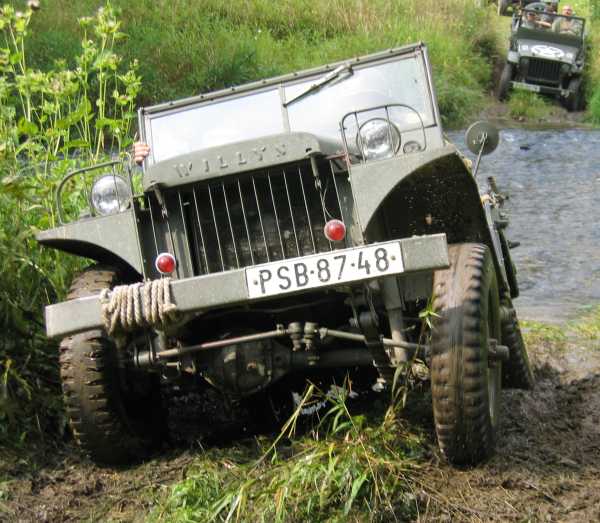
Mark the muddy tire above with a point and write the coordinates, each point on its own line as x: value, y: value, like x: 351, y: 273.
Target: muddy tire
x: 575, y: 101
x: 505, y: 79
x: 465, y: 386
x: 116, y: 418
x: 516, y: 372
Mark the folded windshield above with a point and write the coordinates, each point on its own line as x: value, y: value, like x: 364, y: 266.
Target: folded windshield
x: 312, y: 103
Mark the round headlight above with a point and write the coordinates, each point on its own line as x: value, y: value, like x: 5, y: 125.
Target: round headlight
x: 378, y: 138
x: 110, y: 194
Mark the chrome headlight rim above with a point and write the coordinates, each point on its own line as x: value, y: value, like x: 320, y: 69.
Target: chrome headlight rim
x: 123, y: 195
x: 391, y: 130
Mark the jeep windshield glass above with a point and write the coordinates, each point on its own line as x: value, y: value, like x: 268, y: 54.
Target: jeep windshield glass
x: 396, y: 82
x: 263, y: 111
x: 552, y: 24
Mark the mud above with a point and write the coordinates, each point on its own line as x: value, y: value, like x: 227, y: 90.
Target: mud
x: 547, y: 466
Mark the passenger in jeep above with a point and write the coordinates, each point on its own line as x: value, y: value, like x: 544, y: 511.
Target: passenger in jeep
x: 567, y: 25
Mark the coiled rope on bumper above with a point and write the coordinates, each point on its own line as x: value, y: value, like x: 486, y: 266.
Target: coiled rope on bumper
x: 130, y: 307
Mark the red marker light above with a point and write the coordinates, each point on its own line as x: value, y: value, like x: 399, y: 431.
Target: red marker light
x: 335, y: 230
x: 165, y: 263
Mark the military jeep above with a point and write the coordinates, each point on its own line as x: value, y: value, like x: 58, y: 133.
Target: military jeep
x: 546, y: 55
x: 316, y: 220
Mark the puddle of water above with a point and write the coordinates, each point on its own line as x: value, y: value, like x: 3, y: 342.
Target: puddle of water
x: 553, y: 179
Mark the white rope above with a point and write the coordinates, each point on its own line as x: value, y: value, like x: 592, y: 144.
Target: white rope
x: 129, y: 307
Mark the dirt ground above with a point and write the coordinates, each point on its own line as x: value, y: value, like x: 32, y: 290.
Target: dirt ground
x: 547, y: 466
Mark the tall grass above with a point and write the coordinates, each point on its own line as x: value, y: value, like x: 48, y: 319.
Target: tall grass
x: 190, y: 46
x: 348, y: 468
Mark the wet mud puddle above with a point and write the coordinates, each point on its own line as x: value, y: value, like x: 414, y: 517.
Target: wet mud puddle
x: 553, y: 179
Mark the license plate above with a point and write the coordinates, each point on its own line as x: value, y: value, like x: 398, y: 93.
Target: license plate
x: 527, y: 87
x: 323, y: 270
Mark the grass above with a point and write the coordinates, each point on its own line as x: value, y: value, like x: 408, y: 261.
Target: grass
x: 524, y: 105
x: 588, y: 327
x: 186, y: 47
x: 348, y: 468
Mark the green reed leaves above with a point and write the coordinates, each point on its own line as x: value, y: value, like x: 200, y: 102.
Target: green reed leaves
x: 347, y: 468
x: 51, y: 121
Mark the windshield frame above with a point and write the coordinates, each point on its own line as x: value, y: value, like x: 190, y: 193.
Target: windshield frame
x: 418, y: 51
x: 555, y: 16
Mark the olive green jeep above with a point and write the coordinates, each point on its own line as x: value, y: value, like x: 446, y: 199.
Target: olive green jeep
x: 316, y: 220
x: 546, y: 55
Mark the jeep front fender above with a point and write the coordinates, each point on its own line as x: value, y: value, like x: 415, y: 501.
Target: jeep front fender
x: 109, y: 239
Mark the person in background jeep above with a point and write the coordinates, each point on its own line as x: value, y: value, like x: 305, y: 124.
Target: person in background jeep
x: 548, y: 17
x: 530, y: 21
x: 566, y: 25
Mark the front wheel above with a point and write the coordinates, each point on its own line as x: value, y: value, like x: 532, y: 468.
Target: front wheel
x: 505, y: 79
x: 575, y: 100
x: 115, y: 414
x: 465, y: 382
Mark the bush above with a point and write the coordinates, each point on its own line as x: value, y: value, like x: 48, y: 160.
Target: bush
x: 44, y: 118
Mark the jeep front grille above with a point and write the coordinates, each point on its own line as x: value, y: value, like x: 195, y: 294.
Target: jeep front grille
x: 248, y: 219
x: 545, y: 71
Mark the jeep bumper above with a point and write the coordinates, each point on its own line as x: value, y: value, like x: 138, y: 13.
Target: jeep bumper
x: 225, y: 289
x: 543, y: 89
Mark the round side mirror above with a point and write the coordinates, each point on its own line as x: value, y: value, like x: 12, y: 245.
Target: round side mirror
x: 482, y: 134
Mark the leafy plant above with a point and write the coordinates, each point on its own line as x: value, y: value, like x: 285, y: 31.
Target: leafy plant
x: 348, y: 468
x: 50, y: 122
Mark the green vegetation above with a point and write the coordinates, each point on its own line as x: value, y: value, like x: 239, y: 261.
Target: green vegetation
x: 45, y: 117
x: 588, y: 327
x: 590, y: 9
x: 528, y: 106
x: 349, y: 468
x: 191, y: 46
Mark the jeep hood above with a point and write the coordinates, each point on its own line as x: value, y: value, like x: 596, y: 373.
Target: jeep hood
x: 238, y: 157
x: 547, y: 50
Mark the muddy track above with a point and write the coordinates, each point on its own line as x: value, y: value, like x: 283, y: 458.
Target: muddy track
x: 547, y: 466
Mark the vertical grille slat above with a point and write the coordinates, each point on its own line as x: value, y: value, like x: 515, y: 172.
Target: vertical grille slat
x: 154, y: 235
x: 262, y: 227
x: 214, y: 217
x: 243, y: 207
x: 255, y: 218
x: 287, y: 192
x: 310, y: 229
x: 233, y: 242
x: 277, y: 223
x: 200, y: 231
x: 185, y: 229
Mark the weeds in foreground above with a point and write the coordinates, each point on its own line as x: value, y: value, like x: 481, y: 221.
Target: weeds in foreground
x: 347, y: 468
x: 588, y: 326
x: 50, y: 122
x: 524, y: 105
x: 538, y: 333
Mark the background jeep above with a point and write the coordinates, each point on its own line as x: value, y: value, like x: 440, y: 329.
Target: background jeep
x: 315, y: 220
x: 546, y: 58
